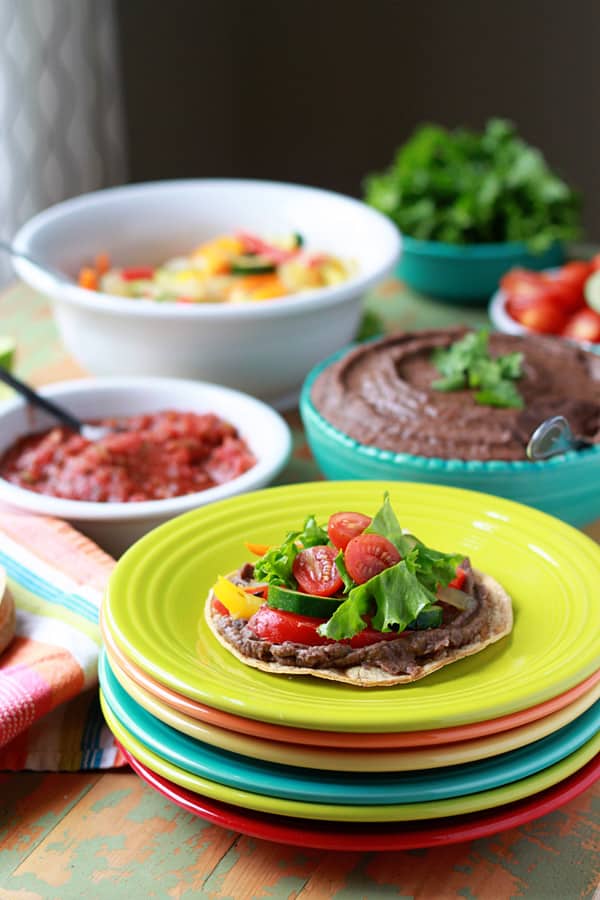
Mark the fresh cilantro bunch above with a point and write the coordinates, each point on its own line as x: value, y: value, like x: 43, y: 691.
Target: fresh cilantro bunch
x: 463, y: 187
x: 468, y: 364
x: 396, y: 596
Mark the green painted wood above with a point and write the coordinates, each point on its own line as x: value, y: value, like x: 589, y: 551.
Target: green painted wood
x: 31, y: 807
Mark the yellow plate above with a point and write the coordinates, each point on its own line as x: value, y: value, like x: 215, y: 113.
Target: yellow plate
x: 308, y: 757
x: 394, y: 812
x: 157, y: 592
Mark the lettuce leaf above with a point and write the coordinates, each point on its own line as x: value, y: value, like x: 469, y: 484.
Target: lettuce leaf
x: 395, y: 597
x: 343, y: 572
x: 385, y: 523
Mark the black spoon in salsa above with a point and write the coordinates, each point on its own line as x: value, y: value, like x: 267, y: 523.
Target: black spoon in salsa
x: 89, y: 432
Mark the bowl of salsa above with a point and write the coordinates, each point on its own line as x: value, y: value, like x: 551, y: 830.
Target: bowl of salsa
x: 172, y: 445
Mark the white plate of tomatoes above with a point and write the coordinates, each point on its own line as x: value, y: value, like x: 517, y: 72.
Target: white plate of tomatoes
x: 561, y: 302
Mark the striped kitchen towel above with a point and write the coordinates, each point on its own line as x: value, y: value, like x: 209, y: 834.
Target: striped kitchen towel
x: 50, y: 717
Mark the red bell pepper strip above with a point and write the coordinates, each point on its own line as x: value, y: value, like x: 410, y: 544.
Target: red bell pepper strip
x: 137, y: 273
x: 458, y: 580
x: 253, y: 244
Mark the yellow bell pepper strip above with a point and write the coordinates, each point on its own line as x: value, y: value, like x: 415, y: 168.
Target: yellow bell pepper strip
x: 215, y: 256
x: 240, y: 603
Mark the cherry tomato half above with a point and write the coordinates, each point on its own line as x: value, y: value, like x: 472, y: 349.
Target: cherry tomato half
x: 343, y: 526
x: 137, y: 273
x: 368, y: 554
x: 583, y: 326
x: 278, y: 626
x: 595, y: 262
x: 315, y: 571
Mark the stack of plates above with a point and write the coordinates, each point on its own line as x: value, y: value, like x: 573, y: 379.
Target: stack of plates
x: 487, y: 743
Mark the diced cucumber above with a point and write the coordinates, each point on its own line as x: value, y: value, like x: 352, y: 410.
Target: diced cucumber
x: 302, y: 604
x: 591, y: 290
x: 292, y: 241
x: 427, y: 618
x: 252, y: 264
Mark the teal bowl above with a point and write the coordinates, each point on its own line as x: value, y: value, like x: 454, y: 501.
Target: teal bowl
x: 463, y: 273
x: 566, y: 486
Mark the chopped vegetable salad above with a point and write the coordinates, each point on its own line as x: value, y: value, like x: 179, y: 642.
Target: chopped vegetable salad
x: 232, y: 268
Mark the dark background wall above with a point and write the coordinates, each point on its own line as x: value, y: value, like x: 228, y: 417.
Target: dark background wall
x: 322, y: 92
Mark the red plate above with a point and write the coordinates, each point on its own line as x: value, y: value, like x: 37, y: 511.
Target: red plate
x: 384, y: 836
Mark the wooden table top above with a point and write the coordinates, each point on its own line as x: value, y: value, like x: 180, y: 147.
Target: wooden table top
x: 107, y: 834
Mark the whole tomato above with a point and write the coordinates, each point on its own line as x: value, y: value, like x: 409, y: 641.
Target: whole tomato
x: 583, y: 326
x: 542, y: 314
x: 569, y: 281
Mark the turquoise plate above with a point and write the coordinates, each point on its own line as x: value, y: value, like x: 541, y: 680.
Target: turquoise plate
x: 354, y: 789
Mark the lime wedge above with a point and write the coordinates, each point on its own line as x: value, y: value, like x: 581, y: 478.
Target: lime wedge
x: 7, y: 357
x: 8, y: 347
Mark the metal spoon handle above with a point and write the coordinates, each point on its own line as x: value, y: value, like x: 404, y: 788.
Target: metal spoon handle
x: 38, y: 400
x: 553, y: 436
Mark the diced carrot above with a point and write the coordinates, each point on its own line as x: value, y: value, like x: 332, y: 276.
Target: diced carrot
x: 88, y: 278
x: 257, y: 549
x: 273, y: 288
x: 252, y: 282
x: 259, y: 287
x: 102, y: 263
x: 259, y: 590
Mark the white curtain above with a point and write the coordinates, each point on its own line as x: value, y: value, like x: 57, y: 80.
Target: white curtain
x: 61, y: 125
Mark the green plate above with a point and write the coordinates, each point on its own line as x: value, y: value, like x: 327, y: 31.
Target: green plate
x: 157, y: 592
x: 389, y: 812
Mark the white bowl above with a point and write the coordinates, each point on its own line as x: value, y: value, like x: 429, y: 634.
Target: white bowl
x: 265, y: 348
x: 115, y: 526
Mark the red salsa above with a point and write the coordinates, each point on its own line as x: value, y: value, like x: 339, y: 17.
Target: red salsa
x: 150, y: 457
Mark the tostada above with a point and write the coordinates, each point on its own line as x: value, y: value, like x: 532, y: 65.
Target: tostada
x: 360, y: 601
